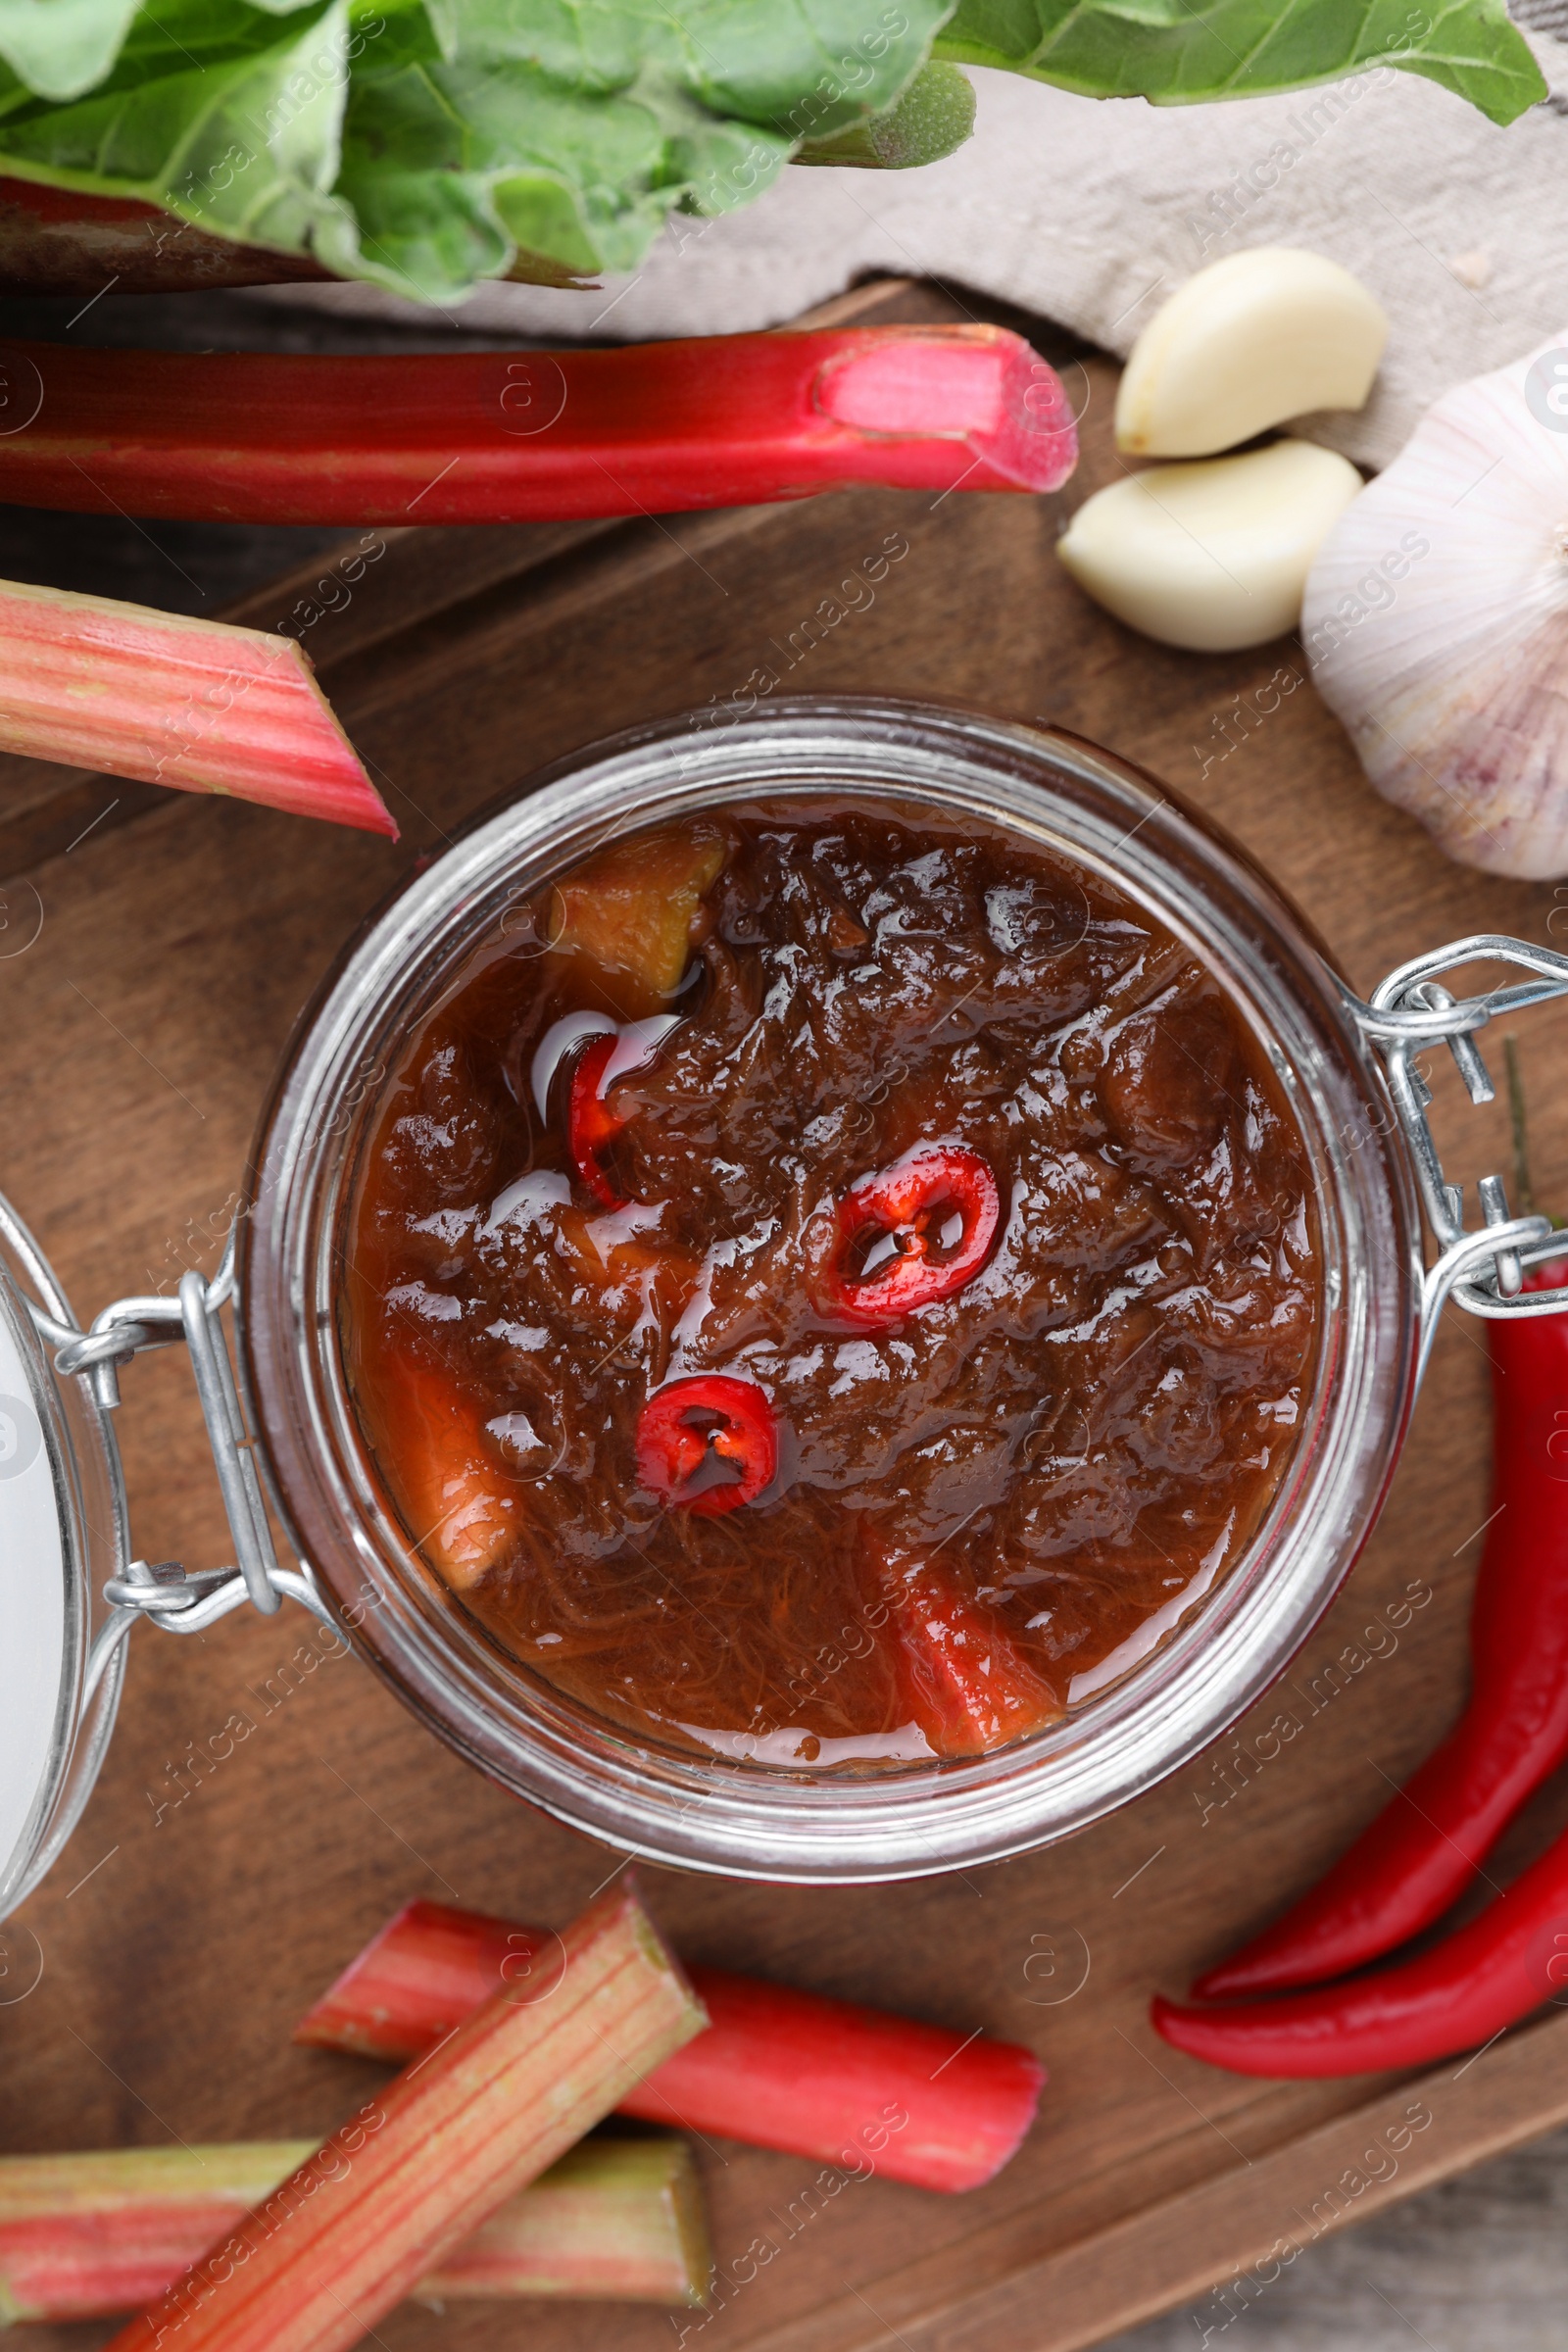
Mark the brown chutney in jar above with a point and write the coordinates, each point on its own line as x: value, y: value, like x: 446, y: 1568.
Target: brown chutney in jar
x: 831, y: 1288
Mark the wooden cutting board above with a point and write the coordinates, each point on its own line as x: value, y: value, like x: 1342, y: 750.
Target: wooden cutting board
x: 149, y: 973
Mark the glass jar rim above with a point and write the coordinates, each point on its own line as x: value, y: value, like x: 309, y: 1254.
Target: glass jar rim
x: 717, y: 1814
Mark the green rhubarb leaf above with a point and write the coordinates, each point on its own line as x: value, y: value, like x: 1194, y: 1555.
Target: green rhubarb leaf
x: 429, y: 144
x: 1176, y: 51
x: 564, y: 135
x: 59, y: 49
x: 229, y: 117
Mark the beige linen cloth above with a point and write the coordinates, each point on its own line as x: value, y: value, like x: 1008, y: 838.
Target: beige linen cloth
x: 1091, y: 211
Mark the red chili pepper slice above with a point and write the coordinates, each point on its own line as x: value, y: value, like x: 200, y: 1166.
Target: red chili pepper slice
x: 1419, y: 1853
x: 912, y: 1234
x: 589, y: 1122
x: 706, y: 1445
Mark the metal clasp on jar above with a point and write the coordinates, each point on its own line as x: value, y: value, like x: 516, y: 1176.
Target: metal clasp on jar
x: 181, y: 1602
x: 1481, y: 1267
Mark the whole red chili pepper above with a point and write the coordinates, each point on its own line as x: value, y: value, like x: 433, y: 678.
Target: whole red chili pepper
x: 709, y: 1422
x: 1417, y: 1856
x: 1455, y: 1997
x: 912, y: 1234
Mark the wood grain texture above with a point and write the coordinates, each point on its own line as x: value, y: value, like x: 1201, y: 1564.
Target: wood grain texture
x: 222, y: 1876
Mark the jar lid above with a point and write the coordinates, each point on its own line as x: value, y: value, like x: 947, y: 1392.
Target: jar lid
x: 61, y: 1534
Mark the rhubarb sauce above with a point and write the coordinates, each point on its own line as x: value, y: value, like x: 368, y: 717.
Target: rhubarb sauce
x: 829, y: 1289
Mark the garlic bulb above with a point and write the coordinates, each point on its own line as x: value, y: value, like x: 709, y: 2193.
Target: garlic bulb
x: 1436, y: 620
x: 1211, y: 557
x: 1261, y: 336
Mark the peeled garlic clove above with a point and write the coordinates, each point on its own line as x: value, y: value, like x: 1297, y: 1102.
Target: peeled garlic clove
x: 1211, y: 557
x: 1436, y: 620
x: 1249, y: 342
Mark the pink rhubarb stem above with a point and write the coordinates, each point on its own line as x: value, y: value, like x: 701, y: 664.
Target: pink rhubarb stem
x: 195, y: 703
x: 780, y: 2068
x: 84, y: 2237
x: 720, y: 420
x: 383, y: 2202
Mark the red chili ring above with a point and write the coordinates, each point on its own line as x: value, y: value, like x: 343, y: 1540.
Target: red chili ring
x: 589, y: 1122
x: 913, y: 1233
x: 711, y: 1419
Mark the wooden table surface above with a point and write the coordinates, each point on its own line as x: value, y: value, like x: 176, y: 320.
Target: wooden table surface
x: 203, y: 1902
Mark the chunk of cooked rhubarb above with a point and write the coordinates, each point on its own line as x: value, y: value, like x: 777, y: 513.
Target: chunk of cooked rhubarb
x: 458, y: 1500
x: 964, y: 1681
x: 382, y: 2203
x: 934, y: 2105
x: 84, y: 2237
x: 629, y: 911
x: 194, y: 703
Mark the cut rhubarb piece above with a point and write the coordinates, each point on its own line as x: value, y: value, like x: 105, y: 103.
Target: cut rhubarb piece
x: 380, y: 2206
x: 193, y: 704
x: 456, y: 1497
x: 776, y: 2067
x: 617, y: 2219
x: 965, y: 1683
x: 650, y: 428
x: 86, y: 2236
x: 628, y: 912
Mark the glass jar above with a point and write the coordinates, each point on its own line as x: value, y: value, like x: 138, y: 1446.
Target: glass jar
x: 718, y: 1814
x: 1349, y: 1070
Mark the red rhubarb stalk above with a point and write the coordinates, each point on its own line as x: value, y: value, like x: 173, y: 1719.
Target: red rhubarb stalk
x: 720, y: 420
x: 777, y: 2068
x: 316, y: 2265
x: 59, y: 241
x: 84, y: 2237
x: 195, y: 703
